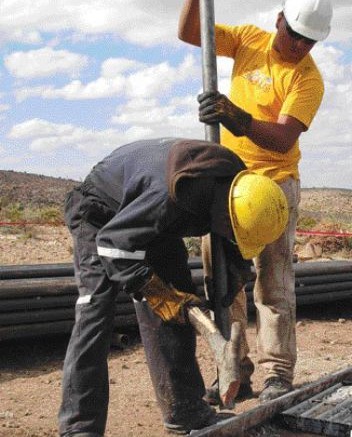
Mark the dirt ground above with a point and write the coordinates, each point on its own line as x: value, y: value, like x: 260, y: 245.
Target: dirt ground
x: 30, y: 370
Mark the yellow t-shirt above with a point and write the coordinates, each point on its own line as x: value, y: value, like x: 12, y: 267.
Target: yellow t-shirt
x: 265, y: 86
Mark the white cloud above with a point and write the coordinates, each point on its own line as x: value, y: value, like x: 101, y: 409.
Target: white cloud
x: 75, y: 90
x: 44, y: 62
x: 39, y: 128
x: 177, y: 117
x: 143, y: 81
x: 27, y: 22
x: 113, y: 67
x: 159, y: 79
x: 45, y: 137
x: 4, y: 107
x: 142, y: 22
x: 331, y: 127
x: 341, y: 22
x: 248, y: 12
x: 155, y: 91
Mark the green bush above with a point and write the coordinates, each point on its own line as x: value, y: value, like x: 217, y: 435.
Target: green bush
x: 14, y: 212
x: 305, y: 223
x: 50, y: 214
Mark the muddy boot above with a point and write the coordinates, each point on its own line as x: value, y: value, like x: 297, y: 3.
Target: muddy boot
x: 174, y: 371
x: 245, y: 391
x: 214, y: 420
x: 274, y: 387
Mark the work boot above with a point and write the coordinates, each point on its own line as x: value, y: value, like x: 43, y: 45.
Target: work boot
x: 189, y: 417
x: 82, y: 434
x: 203, y: 417
x: 274, y: 387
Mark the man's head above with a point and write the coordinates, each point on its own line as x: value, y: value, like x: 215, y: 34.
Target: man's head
x: 258, y: 212
x: 300, y: 25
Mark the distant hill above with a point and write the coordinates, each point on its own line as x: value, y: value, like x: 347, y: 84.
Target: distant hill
x: 38, y: 190
x: 327, y: 204
x: 32, y: 189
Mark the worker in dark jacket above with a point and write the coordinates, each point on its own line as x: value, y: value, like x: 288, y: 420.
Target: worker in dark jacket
x: 127, y: 220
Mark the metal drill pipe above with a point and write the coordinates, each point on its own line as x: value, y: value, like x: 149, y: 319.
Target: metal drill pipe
x: 209, y: 67
x: 212, y: 133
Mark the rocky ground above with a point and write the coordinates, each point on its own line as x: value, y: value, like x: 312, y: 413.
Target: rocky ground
x: 30, y: 370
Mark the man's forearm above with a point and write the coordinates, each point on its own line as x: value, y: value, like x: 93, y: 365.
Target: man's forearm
x: 189, y: 23
x: 272, y: 136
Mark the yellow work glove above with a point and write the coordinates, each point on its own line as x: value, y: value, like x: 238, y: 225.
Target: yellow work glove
x: 167, y: 302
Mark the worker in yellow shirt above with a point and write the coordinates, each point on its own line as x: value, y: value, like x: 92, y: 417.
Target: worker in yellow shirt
x: 276, y: 90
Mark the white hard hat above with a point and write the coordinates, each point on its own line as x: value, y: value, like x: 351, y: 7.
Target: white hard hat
x: 309, y: 18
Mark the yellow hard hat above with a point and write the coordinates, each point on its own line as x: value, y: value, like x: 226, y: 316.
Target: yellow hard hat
x: 258, y: 211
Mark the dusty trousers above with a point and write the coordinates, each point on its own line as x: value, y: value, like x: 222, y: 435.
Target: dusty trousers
x: 85, y: 385
x: 174, y: 371
x: 170, y: 348
x: 274, y: 297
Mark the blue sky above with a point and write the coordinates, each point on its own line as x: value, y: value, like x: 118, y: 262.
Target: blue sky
x: 79, y: 78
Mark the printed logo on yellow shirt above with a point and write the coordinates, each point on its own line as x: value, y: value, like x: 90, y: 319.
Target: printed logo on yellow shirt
x: 258, y: 78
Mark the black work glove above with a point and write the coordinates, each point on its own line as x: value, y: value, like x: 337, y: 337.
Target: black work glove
x: 217, y: 108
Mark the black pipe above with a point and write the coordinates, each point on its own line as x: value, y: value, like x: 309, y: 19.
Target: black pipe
x: 34, y: 287
x: 37, y: 305
x: 40, y: 302
x: 319, y: 280
x: 334, y: 296
x: 66, y: 269
x: 36, y: 271
x: 310, y: 299
x: 43, y: 288
x: 37, y: 302
x: 322, y: 268
x: 119, y: 340
x: 324, y: 279
x: 58, y: 270
x: 58, y: 327
x: 22, y: 317
x: 313, y: 289
x: 323, y: 288
x: 54, y: 287
x: 44, y: 314
x: 37, y: 286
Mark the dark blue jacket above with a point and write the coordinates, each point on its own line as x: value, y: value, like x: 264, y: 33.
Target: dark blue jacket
x: 161, y: 188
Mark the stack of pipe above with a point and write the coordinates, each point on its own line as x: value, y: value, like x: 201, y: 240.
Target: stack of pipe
x: 40, y: 299
x: 318, y: 282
